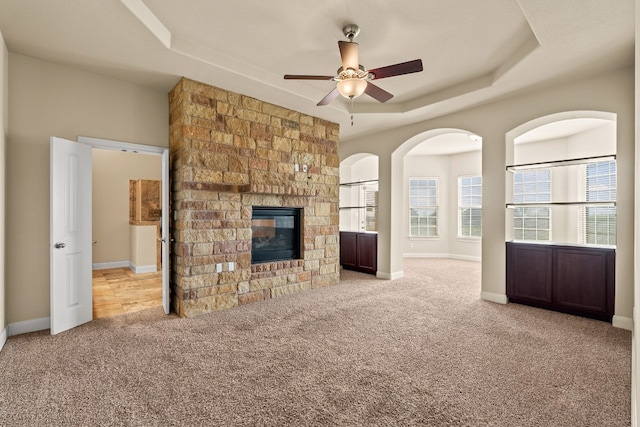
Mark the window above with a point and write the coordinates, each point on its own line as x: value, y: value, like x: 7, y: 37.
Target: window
x: 423, y: 207
x: 470, y: 206
x: 532, y: 223
x: 370, y: 199
x: 600, y: 186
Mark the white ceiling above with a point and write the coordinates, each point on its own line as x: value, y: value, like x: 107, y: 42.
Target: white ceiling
x: 473, y: 51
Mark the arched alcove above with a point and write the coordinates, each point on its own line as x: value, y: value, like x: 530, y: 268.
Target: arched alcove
x: 435, y: 149
x: 359, y: 213
x: 359, y: 192
x: 561, y: 191
x: 556, y: 138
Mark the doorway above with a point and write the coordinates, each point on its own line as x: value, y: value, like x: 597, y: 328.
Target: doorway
x: 71, y: 195
x: 126, y: 264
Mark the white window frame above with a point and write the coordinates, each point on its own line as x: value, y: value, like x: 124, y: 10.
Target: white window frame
x: 435, y: 207
x: 532, y: 214
x: 611, y: 195
x: 462, y: 206
x: 368, y: 209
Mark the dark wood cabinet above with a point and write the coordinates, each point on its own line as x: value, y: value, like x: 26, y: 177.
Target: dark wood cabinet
x: 359, y: 251
x: 571, y: 279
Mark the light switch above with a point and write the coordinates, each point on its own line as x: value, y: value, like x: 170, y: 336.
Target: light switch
x: 232, y: 266
x: 218, y: 268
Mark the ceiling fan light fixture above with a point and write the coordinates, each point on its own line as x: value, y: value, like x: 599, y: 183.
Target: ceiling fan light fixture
x: 352, y: 78
x: 352, y: 87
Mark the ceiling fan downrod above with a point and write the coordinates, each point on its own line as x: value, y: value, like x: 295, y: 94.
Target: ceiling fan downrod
x: 351, y: 31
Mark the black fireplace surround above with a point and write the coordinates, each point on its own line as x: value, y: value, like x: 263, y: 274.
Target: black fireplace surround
x: 275, y: 234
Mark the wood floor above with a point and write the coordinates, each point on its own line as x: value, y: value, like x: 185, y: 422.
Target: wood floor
x: 120, y: 290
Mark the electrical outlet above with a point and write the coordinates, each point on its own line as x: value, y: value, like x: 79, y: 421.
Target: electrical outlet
x: 304, y: 168
x: 218, y: 268
x: 232, y: 266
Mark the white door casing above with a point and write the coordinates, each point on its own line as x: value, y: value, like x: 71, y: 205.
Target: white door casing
x: 107, y: 144
x: 164, y: 223
x: 70, y: 243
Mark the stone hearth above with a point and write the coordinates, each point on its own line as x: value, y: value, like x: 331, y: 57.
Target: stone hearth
x: 230, y: 152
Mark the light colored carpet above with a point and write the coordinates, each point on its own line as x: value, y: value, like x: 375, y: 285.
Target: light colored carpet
x: 422, y: 350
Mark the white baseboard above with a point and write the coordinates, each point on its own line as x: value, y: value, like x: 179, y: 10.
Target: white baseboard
x: 622, y: 323
x: 107, y: 265
x: 424, y: 255
x: 390, y: 276
x: 3, y: 338
x: 139, y: 269
x: 445, y: 256
x: 493, y: 297
x: 27, y: 326
x: 466, y: 257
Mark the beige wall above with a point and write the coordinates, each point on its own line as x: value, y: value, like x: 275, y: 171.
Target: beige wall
x: 46, y: 99
x: 4, y: 109
x: 142, y: 242
x: 610, y: 92
x: 112, y: 171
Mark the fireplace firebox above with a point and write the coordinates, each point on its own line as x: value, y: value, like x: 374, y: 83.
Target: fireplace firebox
x: 275, y: 234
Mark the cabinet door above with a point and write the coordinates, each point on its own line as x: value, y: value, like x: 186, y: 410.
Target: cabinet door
x: 367, y: 252
x: 348, y: 250
x: 529, y: 274
x: 583, y: 281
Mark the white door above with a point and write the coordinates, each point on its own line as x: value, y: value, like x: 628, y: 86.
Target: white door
x: 165, y: 231
x: 71, y: 299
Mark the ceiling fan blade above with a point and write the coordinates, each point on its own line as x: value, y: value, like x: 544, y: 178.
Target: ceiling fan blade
x: 349, y: 55
x: 408, y: 67
x: 306, y: 77
x: 377, y: 92
x: 330, y: 97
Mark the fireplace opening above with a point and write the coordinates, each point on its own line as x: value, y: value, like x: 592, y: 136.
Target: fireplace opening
x: 275, y: 234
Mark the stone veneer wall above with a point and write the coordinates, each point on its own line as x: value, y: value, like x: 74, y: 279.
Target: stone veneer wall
x: 230, y: 152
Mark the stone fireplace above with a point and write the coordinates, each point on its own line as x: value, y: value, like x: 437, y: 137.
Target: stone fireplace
x: 233, y: 156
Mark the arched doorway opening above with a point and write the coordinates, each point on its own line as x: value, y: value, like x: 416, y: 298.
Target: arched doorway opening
x: 433, y: 151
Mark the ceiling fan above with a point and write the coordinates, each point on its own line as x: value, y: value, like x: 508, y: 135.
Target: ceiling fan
x: 353, y: 79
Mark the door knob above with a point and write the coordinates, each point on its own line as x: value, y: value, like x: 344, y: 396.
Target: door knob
x: 60, y: 245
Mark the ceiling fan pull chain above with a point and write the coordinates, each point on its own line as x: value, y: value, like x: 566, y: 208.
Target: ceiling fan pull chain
x: 351, y: 111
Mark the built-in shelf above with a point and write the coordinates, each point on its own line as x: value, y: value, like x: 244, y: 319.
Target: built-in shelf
x: 357, y: 207
x: 549, y: 204
x: 370, y: 181
x: 557, y: 163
